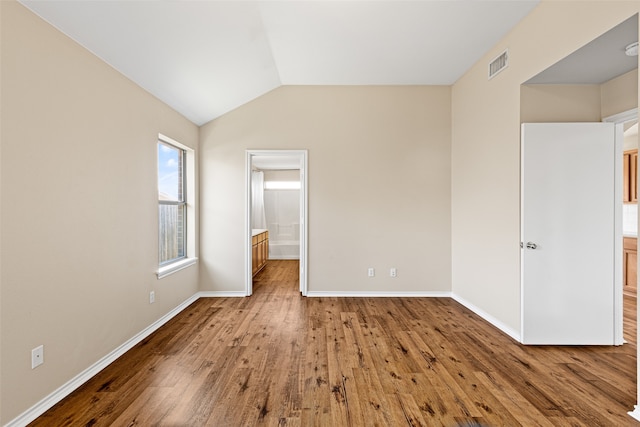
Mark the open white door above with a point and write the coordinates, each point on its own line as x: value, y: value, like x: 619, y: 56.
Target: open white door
x: 569, y: 260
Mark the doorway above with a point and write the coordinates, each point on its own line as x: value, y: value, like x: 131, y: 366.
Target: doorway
x: 286, y: 180
x: 593, y: 82
x: 626, y: 298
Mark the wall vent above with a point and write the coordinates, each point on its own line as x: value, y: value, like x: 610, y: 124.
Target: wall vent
x: 498, y: 64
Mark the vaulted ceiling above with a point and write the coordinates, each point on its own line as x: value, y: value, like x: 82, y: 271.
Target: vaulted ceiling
x: 205, y: 58
x: 596, y: 62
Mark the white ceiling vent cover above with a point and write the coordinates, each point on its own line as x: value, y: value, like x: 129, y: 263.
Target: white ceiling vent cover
x: 499, y: 64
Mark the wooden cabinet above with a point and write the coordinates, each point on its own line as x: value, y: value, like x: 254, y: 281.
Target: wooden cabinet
x: 260, y: 251
x: 630, y: 264
x: 630, y: 176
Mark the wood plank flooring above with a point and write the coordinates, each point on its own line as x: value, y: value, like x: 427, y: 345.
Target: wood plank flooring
x: 630, y: 320
x: 278, y: 359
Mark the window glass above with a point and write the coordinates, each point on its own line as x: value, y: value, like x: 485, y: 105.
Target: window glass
x: 171, y: 203
x: 170, y: 173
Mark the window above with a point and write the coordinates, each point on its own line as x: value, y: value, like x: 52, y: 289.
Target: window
x: 282, y: 185
x: 171, y: 201
x: 175, y: 208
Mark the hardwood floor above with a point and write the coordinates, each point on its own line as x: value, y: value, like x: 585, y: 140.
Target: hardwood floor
x: 279, y: 359
x: 630, y: 320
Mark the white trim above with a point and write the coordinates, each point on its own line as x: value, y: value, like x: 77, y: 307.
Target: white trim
x: 619, y: 119
x: 248, y: 245
x: 220, y: 294
x: 635, y: 413
x: 379, y: 294
x: 521, y: 234
x: 165, y: 138
x: 190, y: 177
x: 618, y: 251
x: 489, y: 318
x: 56, y: 396
x: 175, y: 266
x: 304, y: 223
x: 625, y: 116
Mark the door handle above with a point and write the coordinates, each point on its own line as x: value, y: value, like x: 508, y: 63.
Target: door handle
x: 531, y: 245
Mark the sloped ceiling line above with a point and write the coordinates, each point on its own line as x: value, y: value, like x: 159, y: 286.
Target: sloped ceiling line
x: 205, y: 58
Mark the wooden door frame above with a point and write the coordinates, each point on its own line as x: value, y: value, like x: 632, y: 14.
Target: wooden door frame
x: 304, y: 190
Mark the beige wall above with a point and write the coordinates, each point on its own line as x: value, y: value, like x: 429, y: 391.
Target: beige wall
x: 282, y: 175
x: 79, y: 209
x: 379, y: 195
x: 620, y: 94
x: 560, y: 103
x: 486, y: 154
x: 579, y: 103
x: 424, y: 179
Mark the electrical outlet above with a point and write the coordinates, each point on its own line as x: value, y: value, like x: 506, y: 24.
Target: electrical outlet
x: 393, y: 272
x: 152, y: 297
x: 371, y: 272
x: 37, y: 356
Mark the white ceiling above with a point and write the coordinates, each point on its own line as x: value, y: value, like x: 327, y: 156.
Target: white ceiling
x: 205, y: 58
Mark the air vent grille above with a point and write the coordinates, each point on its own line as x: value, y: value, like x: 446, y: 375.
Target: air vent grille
x: 498, y: 64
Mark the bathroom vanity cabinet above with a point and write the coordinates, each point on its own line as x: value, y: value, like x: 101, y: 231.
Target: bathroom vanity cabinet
x: 630, y: 264
x: 260, y: 249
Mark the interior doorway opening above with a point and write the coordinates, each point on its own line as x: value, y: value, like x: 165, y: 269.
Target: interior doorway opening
x: 276, y: 212
x: 626, y: 299
x: 589, y: 85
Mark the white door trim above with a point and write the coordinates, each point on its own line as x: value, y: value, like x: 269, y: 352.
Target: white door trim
x: 304, y: 189
x: 623, y: 117
x: 619, y: 120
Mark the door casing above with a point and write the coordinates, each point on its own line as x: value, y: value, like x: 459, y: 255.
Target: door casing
x: 302, y: 156
x: 619, y: 120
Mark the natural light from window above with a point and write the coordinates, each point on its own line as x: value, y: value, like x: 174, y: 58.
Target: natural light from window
x: 282, y: 185
x: 171, y: 203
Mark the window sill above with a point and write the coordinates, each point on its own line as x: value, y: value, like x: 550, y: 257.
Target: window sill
x: 166, y: 270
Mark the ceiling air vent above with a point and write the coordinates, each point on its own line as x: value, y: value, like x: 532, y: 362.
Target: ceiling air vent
x: 498, y: 64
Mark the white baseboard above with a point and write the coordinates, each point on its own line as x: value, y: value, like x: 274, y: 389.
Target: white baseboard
x: 220, y: 294
x: 378, y: 294
x: 42, y: 406
x: 635, y: 413
x: 486, y: 316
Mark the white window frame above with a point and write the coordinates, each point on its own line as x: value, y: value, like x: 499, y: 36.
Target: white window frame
x: 189, y: 177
